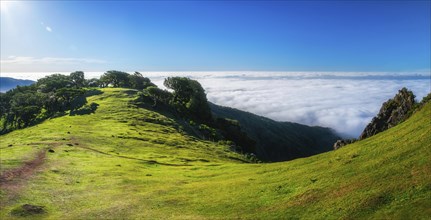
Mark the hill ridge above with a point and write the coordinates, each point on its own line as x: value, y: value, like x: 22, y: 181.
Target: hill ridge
x: 384, y: 176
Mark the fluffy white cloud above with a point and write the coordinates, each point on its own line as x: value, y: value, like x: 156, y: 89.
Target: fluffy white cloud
x: 345, y: 102
x: 48, y: 29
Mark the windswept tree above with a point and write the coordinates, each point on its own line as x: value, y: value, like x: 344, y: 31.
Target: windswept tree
x: 94, y: 82
x: 24, y: 108
x: 77, y: 79
x: 71, y: 99
x: 189, y: 94
x: 13, y: 104
x: 104, y: 80
x: 115, y: 78
x: 26, y: 105
x: 137, y: 81
x: 53, y: 82
x: 157, y: 94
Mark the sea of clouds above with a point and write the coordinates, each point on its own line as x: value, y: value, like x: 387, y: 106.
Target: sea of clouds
x: 344, y: 101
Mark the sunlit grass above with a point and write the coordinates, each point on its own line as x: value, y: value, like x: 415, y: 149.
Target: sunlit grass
x: 102, y: 168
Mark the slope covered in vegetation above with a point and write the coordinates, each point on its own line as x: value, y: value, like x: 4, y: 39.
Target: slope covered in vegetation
x: 129, y: 162
x: 185, y: 102
x: 280, y: 141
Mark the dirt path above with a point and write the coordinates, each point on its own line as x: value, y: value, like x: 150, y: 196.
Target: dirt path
x: 24, y: 171
x: 11, y: 181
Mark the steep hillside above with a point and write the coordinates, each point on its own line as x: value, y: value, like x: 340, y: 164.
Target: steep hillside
x: 280, y: 141
x: 124, y: 162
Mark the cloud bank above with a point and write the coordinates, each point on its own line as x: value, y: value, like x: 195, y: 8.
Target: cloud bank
x: 344, y: 101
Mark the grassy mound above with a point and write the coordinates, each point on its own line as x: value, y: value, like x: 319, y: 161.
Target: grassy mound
x: 128, y: 162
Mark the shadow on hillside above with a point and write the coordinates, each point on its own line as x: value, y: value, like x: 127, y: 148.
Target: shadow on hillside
x: 93, y: 92
x: 85, y: 110
x: 180, y: 123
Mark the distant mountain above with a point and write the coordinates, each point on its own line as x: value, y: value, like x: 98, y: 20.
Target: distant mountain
x: 280, y: 141
x: 8, y: 83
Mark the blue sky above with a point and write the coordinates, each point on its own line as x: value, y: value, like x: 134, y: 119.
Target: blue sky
x: 215, y: 36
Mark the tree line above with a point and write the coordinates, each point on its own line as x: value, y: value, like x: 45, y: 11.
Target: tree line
x: 48, y: 97
x: 57, y: 94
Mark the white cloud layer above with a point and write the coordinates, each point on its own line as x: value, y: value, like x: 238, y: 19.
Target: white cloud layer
x: 344, y: 101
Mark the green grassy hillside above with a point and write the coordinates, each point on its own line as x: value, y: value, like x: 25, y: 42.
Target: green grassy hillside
x: 125, y: 162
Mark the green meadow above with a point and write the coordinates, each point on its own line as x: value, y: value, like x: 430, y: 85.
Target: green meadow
x: 125, y: 162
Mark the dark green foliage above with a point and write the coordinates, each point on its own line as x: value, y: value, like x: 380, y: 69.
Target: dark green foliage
x: 4, y: 104
x: 208, y: 133
x: 85, y: 110
x: 419, y: 105
x: 71, y: 99
x: 425, y: 100
x: 158, y: 95
x: 50, y: 96
x: 22, y: 116
x: 115, y: 78
x: 53, y: 82
x: 6, y: 98
x: 189, y: 96
x: 231, y: 130
x: 91, y: 92
x: 139, y: 82
x: 77, y: 78
x: 188, y: 101
x: 280, y: 141
x: 93, y: 82
x: 21, y: 109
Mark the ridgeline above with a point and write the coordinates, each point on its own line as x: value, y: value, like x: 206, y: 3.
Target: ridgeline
x: 136, y: 156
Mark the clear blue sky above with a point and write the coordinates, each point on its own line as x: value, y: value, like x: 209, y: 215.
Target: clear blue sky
x: 215, y: 36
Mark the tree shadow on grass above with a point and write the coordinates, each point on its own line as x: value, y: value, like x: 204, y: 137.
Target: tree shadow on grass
x: 85, y: 110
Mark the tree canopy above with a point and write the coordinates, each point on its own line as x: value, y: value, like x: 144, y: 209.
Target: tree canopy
x: 189, y: 95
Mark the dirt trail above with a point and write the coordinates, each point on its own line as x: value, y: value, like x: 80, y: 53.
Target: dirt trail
x: 11, y: 181
x: 23, y: 171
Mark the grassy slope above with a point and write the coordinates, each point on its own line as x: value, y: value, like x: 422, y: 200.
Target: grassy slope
x: 385, y: 176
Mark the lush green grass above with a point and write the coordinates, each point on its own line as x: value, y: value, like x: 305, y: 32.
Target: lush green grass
x: 126, y: 162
